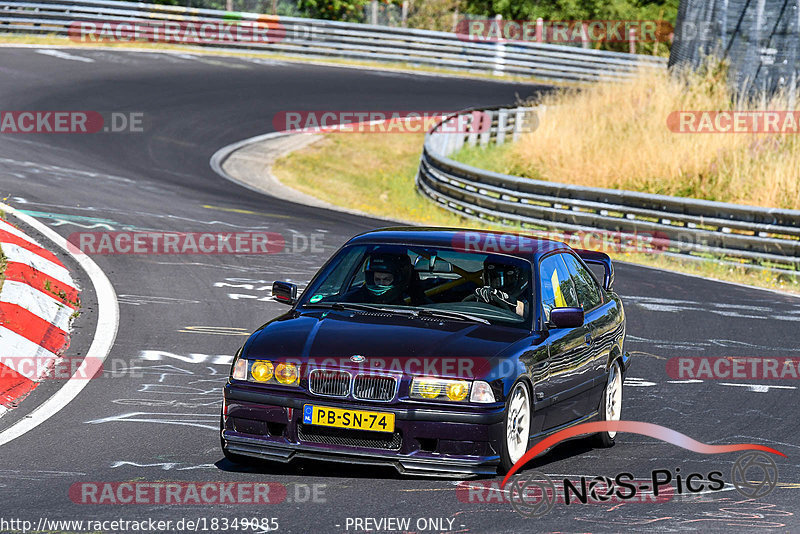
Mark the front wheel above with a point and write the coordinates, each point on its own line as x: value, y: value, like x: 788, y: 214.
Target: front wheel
x: 517, y: 426
x: 611, y: 404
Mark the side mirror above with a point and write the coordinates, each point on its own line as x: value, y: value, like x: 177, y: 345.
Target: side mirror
x: 566, y: 317
x: 599, y: 258
x: 284, y: 292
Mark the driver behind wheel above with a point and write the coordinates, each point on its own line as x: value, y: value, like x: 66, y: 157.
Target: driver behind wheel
x: 503, y: 285
x: 387, y: 278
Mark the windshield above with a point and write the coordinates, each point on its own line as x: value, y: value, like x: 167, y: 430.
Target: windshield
x: 488, y: 287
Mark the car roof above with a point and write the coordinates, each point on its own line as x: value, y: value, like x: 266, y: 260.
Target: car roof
x: 521, y: 245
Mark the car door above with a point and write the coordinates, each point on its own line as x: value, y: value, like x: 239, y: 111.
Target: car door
x: 563, y: 393
x: 600, y: 329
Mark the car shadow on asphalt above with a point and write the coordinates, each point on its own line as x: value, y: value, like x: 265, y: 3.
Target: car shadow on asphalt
x: 563, y: 451
x: 313, y: 468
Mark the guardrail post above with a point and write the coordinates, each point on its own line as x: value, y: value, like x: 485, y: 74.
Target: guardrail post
x: 632, y: 41
x: 585, y: 36
x: 486, y: 125
x: 474, y: 124
x: 450, y: 142
x: 500, y: 49
x: 540, y: 30
x: 441, y: 143
x: 519, y: 120
x: 448, y: 145
x: 404, y: 14
x: 373, y: 15
x: 502, y: 120
x: 459, y: 136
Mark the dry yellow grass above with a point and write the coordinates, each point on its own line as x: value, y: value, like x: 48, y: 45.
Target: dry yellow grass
x: 615, y: 135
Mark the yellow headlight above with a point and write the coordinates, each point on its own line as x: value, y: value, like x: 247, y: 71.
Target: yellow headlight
x: 287, y: 373
x: 429, y: 390
x: 457, y: 391
x: 262, y: 370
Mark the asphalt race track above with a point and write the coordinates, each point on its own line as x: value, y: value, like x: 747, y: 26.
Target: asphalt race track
x: 163, y: 424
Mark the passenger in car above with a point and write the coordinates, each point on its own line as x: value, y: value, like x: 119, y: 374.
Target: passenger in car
x: 503, y: 284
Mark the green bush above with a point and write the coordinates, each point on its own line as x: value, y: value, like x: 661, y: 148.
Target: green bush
x: 344, y: 10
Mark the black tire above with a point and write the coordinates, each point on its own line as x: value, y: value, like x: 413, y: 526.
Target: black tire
x: 509, y: 457
x: 605, y: 439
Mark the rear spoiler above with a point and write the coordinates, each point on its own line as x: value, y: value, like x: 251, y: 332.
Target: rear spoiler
x: 599, y: 258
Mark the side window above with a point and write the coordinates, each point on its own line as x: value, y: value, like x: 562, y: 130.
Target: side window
x: 557, y: 287
x: 336, y: 281
x: 359, y: 277
x: 588, y: 291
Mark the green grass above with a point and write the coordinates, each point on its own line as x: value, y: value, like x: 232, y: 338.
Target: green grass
x: 3, y: 263
x: 371, y: 173
x: 374, y: 173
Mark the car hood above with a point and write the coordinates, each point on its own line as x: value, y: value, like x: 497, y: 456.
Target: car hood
x: 331, y: 339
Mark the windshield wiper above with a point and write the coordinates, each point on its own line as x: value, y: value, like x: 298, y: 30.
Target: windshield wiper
x: 360, y: 307
x: 428, y: 312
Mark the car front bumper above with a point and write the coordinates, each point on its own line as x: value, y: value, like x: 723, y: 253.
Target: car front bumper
x: 426, y: 441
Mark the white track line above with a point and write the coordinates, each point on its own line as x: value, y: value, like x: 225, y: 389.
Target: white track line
x: 18, y: 254
x: 104, y: 335
x: 64, y: 55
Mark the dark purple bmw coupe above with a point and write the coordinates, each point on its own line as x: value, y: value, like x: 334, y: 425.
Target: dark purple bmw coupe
x: 431, y: 350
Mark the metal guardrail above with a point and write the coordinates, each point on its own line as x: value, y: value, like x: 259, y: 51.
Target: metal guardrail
x: 322, y: 38
x: 759, y: 237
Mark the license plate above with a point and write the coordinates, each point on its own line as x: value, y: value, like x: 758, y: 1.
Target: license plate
x: 353, y: 419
